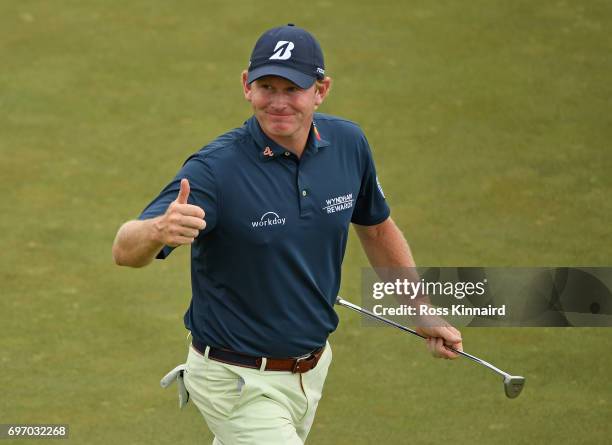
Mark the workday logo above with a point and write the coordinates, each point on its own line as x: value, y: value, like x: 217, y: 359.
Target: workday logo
x: 282, y: 50
x: 269, y: 219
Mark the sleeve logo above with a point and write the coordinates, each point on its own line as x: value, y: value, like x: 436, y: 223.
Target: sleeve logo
x: 380, y: 188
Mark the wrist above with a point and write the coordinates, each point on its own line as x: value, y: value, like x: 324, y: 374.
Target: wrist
x: 154, y: 230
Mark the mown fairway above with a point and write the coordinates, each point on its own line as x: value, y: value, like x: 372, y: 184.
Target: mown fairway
x: 491, y: 125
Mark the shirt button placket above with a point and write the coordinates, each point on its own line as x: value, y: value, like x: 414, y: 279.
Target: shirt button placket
x: 302, y: 194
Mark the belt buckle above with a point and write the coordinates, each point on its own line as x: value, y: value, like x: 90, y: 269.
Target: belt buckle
x: 296, y: 365
x: 298, y: 361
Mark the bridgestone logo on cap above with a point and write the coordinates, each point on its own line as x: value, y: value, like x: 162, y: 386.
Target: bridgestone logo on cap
x: 282, y: 50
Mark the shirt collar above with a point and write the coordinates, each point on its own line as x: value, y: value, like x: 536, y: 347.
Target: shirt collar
x: 268, y: 149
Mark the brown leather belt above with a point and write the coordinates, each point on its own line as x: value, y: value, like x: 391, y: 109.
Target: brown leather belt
x: 300, y: 365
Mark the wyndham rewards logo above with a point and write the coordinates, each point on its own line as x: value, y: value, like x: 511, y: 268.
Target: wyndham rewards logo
x: 269, y: 219
x: 339, y: 203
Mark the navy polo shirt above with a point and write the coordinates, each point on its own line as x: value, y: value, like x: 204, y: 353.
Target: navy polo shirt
x: 265, y: 272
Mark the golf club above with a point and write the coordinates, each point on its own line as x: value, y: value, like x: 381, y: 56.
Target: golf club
x: 513, y: 384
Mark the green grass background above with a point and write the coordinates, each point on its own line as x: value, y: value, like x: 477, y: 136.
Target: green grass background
x: 490, y: 122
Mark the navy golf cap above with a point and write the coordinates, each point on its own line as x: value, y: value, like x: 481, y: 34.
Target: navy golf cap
x: 290, y: 52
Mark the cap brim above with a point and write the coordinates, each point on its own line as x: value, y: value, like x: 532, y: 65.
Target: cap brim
x: 300, y: 79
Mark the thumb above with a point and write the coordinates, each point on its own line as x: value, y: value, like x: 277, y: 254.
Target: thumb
x: 452, y: 335
x: 183, y: 192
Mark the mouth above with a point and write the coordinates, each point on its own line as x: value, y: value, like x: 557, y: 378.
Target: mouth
x: 278, y: 115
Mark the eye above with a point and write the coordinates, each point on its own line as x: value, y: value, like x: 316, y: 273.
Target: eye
x: 292, y: 89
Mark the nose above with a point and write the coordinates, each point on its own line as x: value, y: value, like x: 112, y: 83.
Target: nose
x: 278, y: 102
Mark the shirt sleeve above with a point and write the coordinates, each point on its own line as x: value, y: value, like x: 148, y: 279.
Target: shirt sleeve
x: 203, y: 193
x: 371, y: 206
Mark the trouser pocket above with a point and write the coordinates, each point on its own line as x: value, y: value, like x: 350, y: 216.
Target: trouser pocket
x: 215, y: 389
x: 313, y: 380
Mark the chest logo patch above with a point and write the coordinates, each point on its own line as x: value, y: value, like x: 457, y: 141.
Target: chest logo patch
x: 339, y: 203
x: 269, y: 219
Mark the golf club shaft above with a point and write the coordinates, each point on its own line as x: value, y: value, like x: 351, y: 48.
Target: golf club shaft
x: 356, y: 308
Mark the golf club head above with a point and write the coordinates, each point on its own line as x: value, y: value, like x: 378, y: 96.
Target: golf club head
x: 513, y: 385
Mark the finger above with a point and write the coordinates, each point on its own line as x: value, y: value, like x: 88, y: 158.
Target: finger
x: 447, y: 353
x: 458, y: 346
x: 431, y: 345
x: 193, y: 222
x: 190, y: 210
x: 450, y: 335
x: 183, y: 192
x: 187, y: 232
x: 180, y: 241
x: 439, y: 347
x: 435, y: 347
x: 456, y: 333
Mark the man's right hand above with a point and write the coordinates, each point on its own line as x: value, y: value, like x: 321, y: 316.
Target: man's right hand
x: 439, y: 335
x: 182, y: 222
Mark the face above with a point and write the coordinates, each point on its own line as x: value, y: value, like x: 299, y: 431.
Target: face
x: 283, y: 109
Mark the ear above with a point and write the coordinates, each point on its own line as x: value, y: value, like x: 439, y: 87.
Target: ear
x: 245, y: 86
x: 322, y: 90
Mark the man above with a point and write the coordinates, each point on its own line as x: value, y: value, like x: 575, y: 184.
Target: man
x: 266, y: 209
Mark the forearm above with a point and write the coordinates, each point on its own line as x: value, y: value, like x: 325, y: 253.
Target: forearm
x: 136, y: 243
x: 389, y: 254
x: 385, y: 246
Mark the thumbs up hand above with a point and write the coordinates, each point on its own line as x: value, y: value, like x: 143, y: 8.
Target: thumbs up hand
x: 182, y: 222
